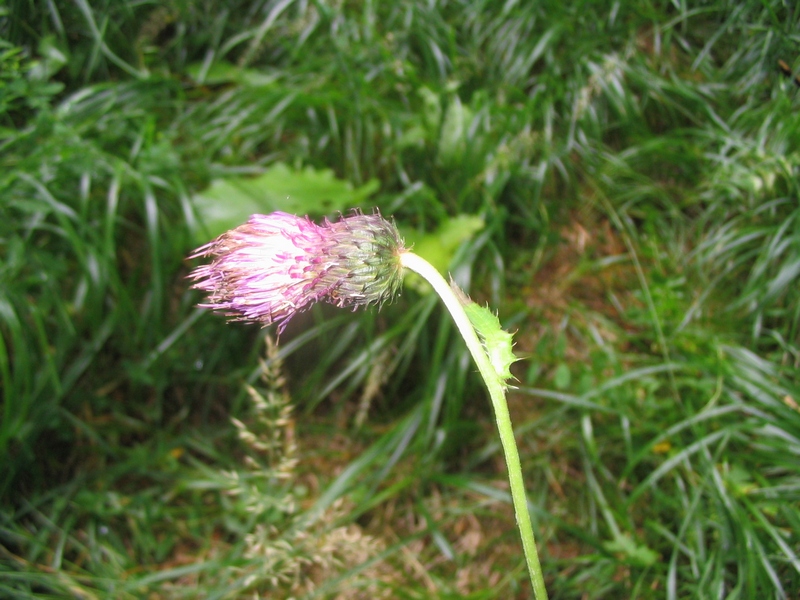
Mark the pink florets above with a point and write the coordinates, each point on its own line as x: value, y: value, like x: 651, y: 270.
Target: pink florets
x: 279, y: 264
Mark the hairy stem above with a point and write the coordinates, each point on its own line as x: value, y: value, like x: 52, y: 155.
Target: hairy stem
x: 496, y: 389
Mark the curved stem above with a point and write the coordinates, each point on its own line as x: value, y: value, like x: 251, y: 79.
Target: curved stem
x: 498, y: 397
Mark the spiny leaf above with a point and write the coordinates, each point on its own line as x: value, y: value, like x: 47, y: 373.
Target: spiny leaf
x: 496, y: 341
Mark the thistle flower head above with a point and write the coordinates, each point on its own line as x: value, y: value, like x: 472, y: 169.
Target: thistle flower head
x: 277, y: 265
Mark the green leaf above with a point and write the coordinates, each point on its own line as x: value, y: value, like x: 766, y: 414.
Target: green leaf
x: 438, y: 247
x: 496, y: 341
x: 222, y: 72
x: 562, y: 376
x: 227, y: 203
x: 639, y: 555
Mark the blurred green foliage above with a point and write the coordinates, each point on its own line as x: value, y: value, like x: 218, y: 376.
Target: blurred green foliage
x: 618, y: 180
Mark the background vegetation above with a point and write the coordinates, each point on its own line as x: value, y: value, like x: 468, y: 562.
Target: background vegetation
x: 618, y: 179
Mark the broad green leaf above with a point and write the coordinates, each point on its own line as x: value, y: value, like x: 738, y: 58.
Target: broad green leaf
x: 438, y: 247
x: 639, y: 555
x: 562, y: 376
x: 221, y: 72
x: 227, y: 203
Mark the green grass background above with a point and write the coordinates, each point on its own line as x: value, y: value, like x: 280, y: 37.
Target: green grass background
x: 619, y: 180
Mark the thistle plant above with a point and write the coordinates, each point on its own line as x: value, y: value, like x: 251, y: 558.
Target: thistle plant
x: 277, y: 265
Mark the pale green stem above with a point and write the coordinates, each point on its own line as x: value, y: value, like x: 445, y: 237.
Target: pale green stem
x: 502, y: 416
